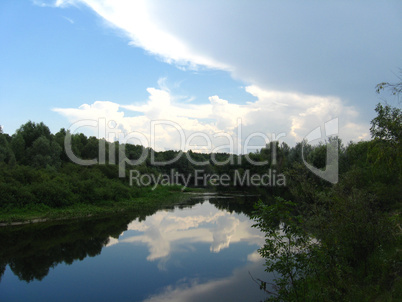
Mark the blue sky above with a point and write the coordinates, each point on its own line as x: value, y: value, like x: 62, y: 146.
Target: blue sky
x: 280, y: 67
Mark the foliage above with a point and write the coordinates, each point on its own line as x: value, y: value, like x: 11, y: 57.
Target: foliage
x: 44, y: 153
x: 395, y: 88
x: 6, y: 153
x: 355, y: 222
x: 328, y: 248
x: 387, y: 125
x: 287, y: 249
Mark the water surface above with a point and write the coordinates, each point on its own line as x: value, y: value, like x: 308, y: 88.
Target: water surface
x: 202, y: 251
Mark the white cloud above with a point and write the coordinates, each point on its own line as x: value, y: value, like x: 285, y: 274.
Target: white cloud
x: 137, y: 20
x: 236, y: 287
x: 224, y: 229
x: 296, y: 58
x: 297, y: 114
x: 316, y: 48
x: 254, y: 257
x: 163, y: 231
x: 274, y: 113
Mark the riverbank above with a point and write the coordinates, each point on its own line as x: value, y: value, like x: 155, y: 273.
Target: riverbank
x: 152, y: 199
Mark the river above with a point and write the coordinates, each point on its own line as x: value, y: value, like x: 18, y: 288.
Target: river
x: 204, y: 250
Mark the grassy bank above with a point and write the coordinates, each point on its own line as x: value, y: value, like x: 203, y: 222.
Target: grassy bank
x: 150, y: 200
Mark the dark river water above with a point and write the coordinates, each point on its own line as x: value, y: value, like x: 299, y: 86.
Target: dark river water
x: 201, y: 251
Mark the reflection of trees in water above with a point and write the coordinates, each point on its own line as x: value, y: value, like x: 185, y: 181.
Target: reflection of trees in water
x: 2, y: 269
x: 32, y: 250
x: 189, y: 203
x: 35, y: 264
x: 237, y: 203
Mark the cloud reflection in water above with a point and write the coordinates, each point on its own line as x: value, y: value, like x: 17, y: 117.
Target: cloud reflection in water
x: 165, y: 232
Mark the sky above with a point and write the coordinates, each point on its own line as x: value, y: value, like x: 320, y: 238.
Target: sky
x: 202, y: 75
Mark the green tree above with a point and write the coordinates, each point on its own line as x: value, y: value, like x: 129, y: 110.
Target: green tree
x: 32, y: 131
x: 18, y: 147
x: 387, y: 125
x: 91, y: 148
x: 44, y: 153
x: 288, y: 250
x: 6, y: 153
x: 385, y: 152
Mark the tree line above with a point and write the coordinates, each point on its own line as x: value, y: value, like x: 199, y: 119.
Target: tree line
x: 35, y: 168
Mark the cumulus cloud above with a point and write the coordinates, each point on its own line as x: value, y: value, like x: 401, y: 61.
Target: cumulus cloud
x: 169, y: 124
x: 164, y: 231
x: 224, y: 230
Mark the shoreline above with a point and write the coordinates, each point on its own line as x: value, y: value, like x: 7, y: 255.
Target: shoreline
x: 40, y: 214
